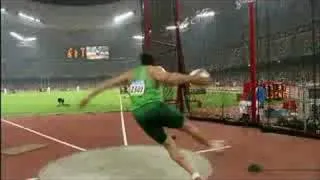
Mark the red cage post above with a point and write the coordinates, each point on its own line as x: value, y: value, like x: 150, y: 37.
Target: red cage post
x: 253, y: 69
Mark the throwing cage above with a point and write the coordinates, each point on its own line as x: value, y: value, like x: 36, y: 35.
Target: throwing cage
x: 246, y: 45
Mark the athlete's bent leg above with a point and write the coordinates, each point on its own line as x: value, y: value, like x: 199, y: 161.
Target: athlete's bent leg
x: 193, y: 131
x: 179, y: 158
x: 159, y: 135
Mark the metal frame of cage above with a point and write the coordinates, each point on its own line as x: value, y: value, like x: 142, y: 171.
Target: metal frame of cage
x: 181, y: 97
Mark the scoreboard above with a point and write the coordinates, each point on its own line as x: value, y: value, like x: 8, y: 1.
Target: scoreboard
x: 88, y: 53
x: 275, y: 90
x: 76, y: 53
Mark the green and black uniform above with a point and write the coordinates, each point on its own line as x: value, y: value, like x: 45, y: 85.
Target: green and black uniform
x: 148, y: 108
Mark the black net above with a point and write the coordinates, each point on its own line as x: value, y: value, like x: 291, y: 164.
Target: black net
x: 215, y: 35
x: 214, y: 39
x: 288, y: 57
x: 162, y: 41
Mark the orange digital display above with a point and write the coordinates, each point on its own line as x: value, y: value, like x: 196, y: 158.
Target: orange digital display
x: 76, y: 53
x: 276, y: 91
x: 88, y: 53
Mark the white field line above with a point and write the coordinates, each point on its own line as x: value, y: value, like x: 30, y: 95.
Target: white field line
x: 44, y: 136
x: 212, y: 149
x: 123, y: 126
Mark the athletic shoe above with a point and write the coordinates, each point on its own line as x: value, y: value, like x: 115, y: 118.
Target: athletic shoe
x: 196, y: 176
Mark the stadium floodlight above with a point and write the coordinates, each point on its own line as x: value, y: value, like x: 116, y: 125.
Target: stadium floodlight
x: 239, y: 3
x: 205, y: 14
x: 122, y: 17
x: 17, y: 36
x: 170, y: 28
x: 28, y: 17
x: 21, y: 38
x: 138, y: 37
x: 30, y: 39
x: 182, y: 26
x: 3, y: 11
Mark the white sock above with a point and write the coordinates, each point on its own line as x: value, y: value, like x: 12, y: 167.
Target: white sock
x: 195, y: 175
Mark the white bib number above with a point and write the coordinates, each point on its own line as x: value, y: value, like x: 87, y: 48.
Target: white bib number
x: 136, y: 88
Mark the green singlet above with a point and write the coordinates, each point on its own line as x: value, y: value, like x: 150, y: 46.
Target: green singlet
x: 148, y: 108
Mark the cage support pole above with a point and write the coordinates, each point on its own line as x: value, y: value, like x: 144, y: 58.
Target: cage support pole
x: 181, y: 91
x: 268, y: 52
x: 313, y: 5
x: 253, y: 70
x: 146, y: 10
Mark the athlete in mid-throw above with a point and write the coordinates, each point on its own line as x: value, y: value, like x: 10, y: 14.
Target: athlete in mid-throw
x: 149, y: 110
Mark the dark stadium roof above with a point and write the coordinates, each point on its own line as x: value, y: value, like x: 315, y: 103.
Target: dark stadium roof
x: 76, y: 2
x: 97, y: 14
x: 67, y: 17
x: 218, y: 41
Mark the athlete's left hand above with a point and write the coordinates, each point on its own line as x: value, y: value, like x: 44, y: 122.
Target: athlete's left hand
x: 84, y: 102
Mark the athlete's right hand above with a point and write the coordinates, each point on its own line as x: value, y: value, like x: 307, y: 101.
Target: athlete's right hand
x: 202, y: 81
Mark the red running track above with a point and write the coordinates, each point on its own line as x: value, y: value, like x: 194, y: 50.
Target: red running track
x: 283, y: 157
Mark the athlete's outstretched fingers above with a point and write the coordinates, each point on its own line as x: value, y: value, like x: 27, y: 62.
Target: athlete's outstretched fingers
x: 176, y: 155
x: 192, y: 130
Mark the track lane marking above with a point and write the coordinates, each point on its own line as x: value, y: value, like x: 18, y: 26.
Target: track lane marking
x: 212, y: 149
x: 44, y: 135
x: 123, y: 125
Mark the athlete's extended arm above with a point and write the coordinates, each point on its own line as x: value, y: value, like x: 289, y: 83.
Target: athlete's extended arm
x: 176, y: 78
x: 114, y: 82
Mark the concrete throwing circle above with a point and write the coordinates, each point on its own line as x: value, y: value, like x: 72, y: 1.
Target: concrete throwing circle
x: 125, y: 163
